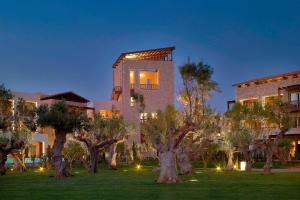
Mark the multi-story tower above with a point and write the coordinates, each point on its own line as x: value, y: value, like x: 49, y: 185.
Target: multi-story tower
x: 263, y: 90
x: 149, y: 73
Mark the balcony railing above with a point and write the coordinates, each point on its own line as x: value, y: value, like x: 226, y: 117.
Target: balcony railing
x: 149, y: 86
x: 293, y: 105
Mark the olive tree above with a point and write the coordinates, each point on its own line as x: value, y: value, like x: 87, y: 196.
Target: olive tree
x: 101, y: 133
x: 14, y: 132
x: 72, y: 151
x: 63, y: 121
x: 165, y: 134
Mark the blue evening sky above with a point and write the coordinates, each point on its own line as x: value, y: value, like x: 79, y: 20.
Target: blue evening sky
x: 55, y: 46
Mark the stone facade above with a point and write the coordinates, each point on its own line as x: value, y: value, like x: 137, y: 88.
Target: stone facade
x: 266, y: 89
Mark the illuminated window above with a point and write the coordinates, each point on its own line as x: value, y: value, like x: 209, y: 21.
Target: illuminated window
x: 270, y: 101
x: 109, y: 113
x: 154, y: 115
x: 143, y: 117
x: 132, y: 101
x: 148, y: 80
x: 250, y: 102
x: 131, y: 74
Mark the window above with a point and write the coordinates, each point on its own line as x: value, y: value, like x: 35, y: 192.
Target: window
x: 154, y: 115
x: 295, y: 122
x: 294, y: 97
x: 132, y: 102
x: 270, y: 100
x: 148, y: 80
x: 109, y: 113
x: 131, y: 74
x: 143, y: 117
x: 249, y: 102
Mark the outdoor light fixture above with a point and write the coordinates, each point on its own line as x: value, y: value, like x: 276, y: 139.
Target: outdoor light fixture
x: 12, y: 169
x: 193, y: 180
x: 130, y: 56
x: 235, y: 167
x: 138, y: 167
x: 243, y: 166
x: 218, y: 168
x: 141, y: 75
x: 41, y: 169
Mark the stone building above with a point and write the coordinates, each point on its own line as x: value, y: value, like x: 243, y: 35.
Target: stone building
x: 264, y: 90
x: 149, y: 73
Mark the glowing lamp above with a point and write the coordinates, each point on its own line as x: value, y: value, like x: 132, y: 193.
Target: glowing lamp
x: 235, y: 167
x: 243, y: 166
x: 12, y: 169
x: 41, y: 169
x: 218, y: 168
x: 138, y: 167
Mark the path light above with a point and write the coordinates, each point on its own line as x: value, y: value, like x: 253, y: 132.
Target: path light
x: 41, y: 169
x: 138, y: 167
x: 243, y: 166
x: 218, y: 169
x: 193, y: 180
x: 235, y: 167
x: 11, y: 169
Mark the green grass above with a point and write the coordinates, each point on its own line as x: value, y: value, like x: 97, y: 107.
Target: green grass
x: 127, y: 183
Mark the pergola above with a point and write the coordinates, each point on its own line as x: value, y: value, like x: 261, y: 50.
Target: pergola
x: 164, y: 54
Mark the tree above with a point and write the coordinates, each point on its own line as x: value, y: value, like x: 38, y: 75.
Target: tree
x: 101, y: 133
x: 24, y: 116
x: 276, y: 114
x: 63, y: 121
x: 197, y: 88
x: 13, y: 133
x: 115, y: 128
x: 252, y: 125
x: 165, y: 134
x: 284, y: 146
x: 242, y: 130
x: 227, y: 142
x: 72, y: 151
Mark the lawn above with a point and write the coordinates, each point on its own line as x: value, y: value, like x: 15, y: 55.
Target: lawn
x: 127, y: 183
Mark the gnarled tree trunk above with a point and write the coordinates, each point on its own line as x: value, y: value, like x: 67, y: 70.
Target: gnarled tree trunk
x: 230, y: 157
x: 60, y: 168
x: 248, y: 157
x: 93, y: 163
x: 270, y: 146
x: 112, y: 156
x: 3, y: 158
x: 18, y: 162
x: 168, y: 171
x: 183, y: 161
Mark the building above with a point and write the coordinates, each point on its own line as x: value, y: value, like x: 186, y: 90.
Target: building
x: 263, y: 90
x: 44, y: 137
x: 149, y: 73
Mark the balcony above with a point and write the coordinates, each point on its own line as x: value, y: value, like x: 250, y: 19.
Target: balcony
x: 117, y: 90
x: 149, y: 86
x: 293, y: 106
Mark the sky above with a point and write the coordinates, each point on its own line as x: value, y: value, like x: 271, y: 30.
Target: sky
x: 58, y: 45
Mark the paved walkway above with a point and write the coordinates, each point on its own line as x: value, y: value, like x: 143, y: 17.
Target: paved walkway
x: 280, y: 170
